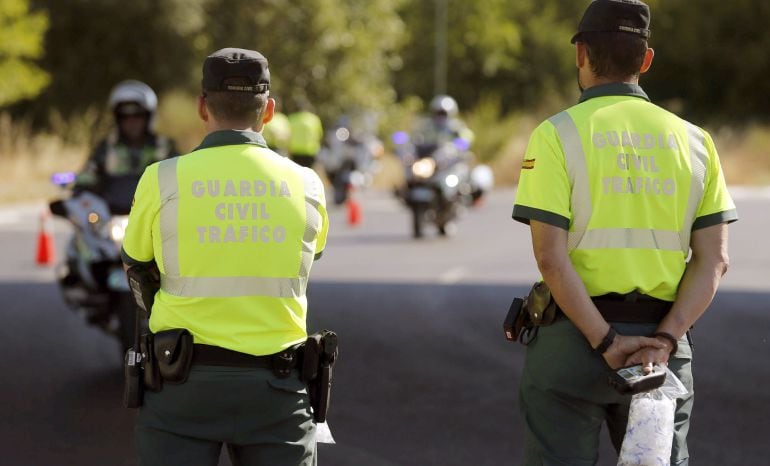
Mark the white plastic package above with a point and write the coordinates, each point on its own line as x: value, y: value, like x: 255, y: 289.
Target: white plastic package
x: 650, y: 429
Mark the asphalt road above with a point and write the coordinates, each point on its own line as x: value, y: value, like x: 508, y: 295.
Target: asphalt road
x: 425, y: 376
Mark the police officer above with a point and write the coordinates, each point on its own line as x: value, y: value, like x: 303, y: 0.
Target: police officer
x: 617, y: 192
x: 233, y: 228
x: 305, y: 135
x: 278, y: 133
x: 117, y: 162
x: 444, y: 124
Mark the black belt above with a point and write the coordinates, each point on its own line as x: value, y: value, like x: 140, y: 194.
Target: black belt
x: 631, y: 308
x: 208, y: 355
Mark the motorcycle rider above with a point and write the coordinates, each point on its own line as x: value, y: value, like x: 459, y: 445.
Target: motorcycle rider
x: 444, y: 124
x: 116, y: 163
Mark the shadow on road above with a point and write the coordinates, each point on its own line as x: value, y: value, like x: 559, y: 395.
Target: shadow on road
x: 425, y: 377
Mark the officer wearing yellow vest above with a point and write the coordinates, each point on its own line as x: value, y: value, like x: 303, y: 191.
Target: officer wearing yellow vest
x: 618, y: 193
x: 234, y: 229
x: 277, y: 133
x: 306, y: 134
x: 116, y: 163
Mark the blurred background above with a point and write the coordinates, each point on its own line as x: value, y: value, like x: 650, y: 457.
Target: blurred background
x: 425, y: 376
x: 507, y: 62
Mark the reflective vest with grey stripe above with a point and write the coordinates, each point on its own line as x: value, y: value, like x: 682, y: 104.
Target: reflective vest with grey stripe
x: 580, y: 237
x: 172, y: 282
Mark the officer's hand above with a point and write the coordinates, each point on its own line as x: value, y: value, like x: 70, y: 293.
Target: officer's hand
x: 649, y: 356
x: 624, y: 347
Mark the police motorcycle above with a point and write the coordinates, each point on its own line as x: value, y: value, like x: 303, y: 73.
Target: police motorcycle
x: 91, y: 276
x: 350, y: 158
x: 438, y: 184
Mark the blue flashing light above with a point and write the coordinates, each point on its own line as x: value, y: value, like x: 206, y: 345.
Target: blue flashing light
x: 461, y: 144
x: 400, y: 137
x: 63, y: 178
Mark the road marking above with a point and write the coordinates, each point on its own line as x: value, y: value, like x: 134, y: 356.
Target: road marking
x: 9, y: 218
x: 453, y: 275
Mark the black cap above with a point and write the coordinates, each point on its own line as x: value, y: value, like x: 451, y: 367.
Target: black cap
x: 236, y: 63
x: 631, y: 16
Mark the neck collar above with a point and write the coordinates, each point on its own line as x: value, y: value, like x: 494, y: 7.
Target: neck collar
x: 621, y: 89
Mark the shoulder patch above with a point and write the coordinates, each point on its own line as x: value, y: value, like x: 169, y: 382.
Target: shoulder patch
x: 528, y: 164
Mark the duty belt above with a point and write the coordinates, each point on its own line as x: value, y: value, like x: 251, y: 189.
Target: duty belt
x: 282, y: 363
x: 629, y: 308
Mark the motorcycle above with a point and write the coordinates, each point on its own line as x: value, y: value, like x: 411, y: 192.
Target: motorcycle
x: 440, y: 184
x: 91, y: 276
x: 349, y: 161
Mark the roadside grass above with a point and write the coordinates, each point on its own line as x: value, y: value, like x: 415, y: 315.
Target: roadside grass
x: 28, y: 158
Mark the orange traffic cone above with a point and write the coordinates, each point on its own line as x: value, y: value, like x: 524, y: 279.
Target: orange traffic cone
x: 354, y: 210
x: 45, y: 245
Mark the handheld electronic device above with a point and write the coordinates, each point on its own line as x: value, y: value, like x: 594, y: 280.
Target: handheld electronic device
x: 632, y: 379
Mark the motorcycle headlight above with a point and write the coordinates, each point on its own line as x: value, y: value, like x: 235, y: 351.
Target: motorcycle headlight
x: 117, y: 228
x: 424, y: 168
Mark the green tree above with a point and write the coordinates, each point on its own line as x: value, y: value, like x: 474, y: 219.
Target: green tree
x: 333, y: 56
x: 516, y: 51
x: 21, y: 42
x: 711, y: 60
x: 93, y: 44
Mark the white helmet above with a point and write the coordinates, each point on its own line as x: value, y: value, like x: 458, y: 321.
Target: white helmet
x: 132, y: 91
x: 444, y: 104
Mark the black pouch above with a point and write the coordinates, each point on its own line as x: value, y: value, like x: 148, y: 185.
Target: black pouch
x: 323, y: 348
x: 152, y: 379
x: 540, y: 305
x: 173, y: 350
x: 133, y: 392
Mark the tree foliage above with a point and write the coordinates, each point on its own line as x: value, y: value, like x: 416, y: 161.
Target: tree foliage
x: 21, y: 42
x: 347, y: 55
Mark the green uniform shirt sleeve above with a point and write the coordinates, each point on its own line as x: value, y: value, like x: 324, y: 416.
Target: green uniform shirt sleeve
x: 137, y: 243
x: 544, y: 187
x: 716, y: 206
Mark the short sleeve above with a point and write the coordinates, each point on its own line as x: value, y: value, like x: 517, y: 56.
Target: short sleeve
x: 716, y: 206
x: 544, y: 188
x: 137, y: 243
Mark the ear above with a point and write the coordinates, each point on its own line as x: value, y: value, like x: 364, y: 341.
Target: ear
x: 203, y: 112
x: 581, y: 54
x: 269, y: 111
x: 648, y: 55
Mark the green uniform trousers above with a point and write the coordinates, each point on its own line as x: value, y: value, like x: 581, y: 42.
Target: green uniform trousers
x: 565, y: 397
x: 264, y: 420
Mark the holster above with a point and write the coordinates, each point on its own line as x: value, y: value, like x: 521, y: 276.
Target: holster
x: 319, y: 356
x: 133, y: 393
x: 526, y: 315
x: 173, y: 350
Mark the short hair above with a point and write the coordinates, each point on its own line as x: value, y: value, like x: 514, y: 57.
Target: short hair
x: 236, y: 107
x: 614, y: 55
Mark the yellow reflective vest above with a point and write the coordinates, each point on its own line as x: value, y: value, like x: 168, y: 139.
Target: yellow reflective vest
x: 629, y: 181
x: 306, y: 133
x: 234, y: 229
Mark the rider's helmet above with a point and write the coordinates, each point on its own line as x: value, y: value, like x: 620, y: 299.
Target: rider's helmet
x: 133, y: 97
x: 444, y: 105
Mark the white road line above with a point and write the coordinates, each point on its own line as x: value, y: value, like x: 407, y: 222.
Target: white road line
x: 453, y: 275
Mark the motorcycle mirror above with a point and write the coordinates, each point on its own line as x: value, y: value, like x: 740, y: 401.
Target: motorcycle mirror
x: 63, y: 178
x: 57, y: 208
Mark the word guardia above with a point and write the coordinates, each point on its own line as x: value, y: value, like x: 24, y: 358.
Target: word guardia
x: 254, y: 214
x: 626, y: 162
